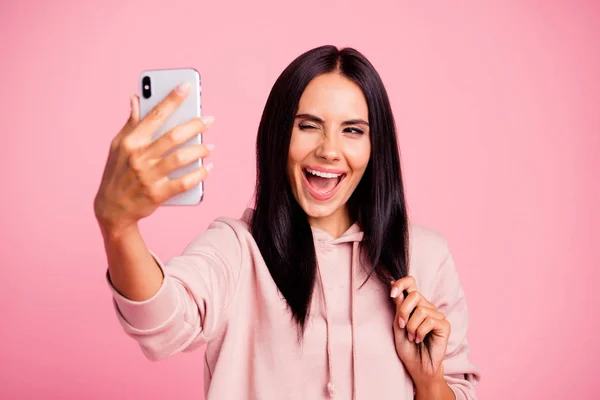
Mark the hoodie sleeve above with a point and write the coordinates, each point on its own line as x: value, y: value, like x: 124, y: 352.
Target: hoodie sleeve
x: 448, y: 296
x: 190, y: 306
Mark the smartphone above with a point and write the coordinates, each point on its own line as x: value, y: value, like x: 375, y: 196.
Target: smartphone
x: 155, y: 85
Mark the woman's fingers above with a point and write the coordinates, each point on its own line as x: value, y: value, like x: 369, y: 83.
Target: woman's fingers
x: 179, y: 158
x: 160, y: 191
x: 172, y: 187
x: 159, y: 114
x: 407, y: 298
x: 177, y: 136
x: 137, y: 135
x: 418, y: 317
x: 406, y: 307
x: 132, y: 120
x: 415, y: 313
x: 438, y: 326
x: 160, y: 187
x: 134, y: 116
x: 401, y: 287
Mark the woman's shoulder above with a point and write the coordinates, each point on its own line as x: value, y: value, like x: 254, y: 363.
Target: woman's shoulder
x: 239, y: 226
x: 224, y: 234
x: 427, y: 240
x: 227, y: 228
x: 429, y: 250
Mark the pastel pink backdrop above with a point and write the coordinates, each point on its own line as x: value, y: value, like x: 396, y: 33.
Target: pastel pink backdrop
x: 497, y: 106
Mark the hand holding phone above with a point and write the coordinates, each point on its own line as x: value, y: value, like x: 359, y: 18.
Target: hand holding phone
x: 155, y: 87
x: 154, y: 160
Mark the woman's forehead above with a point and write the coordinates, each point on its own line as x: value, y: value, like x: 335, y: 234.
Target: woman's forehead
x: 333, y: 96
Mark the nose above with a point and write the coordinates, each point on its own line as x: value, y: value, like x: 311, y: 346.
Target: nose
x: 329, y: 148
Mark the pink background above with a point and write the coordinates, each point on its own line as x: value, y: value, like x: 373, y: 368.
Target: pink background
x: 498, y: 113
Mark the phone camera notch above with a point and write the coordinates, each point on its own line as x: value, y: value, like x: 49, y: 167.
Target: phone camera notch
x: 146, y: 87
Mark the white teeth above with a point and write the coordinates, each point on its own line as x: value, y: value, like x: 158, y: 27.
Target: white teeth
x: 323, y: 174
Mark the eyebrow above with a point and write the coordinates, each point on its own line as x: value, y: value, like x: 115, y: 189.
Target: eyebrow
x: 314, y: 118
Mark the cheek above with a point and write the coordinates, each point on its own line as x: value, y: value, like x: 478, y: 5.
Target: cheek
x: 300, y: 148
x: 358, y: 155
x: 295, y: 156
x: 292, y: 155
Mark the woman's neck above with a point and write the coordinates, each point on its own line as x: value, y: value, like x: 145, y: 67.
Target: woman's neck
x: 335, y: 224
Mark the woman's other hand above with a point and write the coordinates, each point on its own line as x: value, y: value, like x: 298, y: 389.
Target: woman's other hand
x: 416, y: 318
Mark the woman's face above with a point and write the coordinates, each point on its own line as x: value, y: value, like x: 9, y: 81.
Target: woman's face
x: 330, y: 146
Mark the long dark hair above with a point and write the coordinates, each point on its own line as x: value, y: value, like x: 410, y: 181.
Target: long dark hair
x: 280, y: 226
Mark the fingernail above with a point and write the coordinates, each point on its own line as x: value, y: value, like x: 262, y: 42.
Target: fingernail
x: 209, y: 166
x: 410, y: 337
x: 183, y: 89
x: 210, y: 147
x: 417, y: 340
x: 401, y: 322
x: 208, y: 119
x: 395, y: 292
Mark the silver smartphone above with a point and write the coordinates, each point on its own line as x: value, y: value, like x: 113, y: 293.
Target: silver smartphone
x: 155, y: 85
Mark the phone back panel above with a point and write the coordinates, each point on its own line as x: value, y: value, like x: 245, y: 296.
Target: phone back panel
x: 162, y: 82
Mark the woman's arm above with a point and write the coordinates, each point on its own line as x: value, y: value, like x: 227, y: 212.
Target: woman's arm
x: 442, y: 315
x: 460, y: 373
x: 190, y: 304
x: 435, y: 391
x: 132, y: 270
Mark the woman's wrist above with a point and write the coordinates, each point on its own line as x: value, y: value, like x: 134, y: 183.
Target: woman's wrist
x: 116, y: 231
x: 435, y: 389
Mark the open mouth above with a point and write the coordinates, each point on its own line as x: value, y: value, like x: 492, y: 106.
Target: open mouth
x: 322, y: 185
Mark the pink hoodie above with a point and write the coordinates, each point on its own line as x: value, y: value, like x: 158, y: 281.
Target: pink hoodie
x: 219, y: 292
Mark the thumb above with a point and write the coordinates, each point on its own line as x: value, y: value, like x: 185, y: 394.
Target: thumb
x: 399, y: 322
x: 134, y: 104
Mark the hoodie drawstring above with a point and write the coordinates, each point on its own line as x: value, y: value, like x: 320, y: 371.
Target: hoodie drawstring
x: 355, y: 252
x: 330, y: 386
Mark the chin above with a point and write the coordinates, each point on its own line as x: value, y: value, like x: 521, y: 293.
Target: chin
x: 313, y: 210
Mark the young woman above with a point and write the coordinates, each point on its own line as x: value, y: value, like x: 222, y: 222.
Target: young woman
x: 324, y: 288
